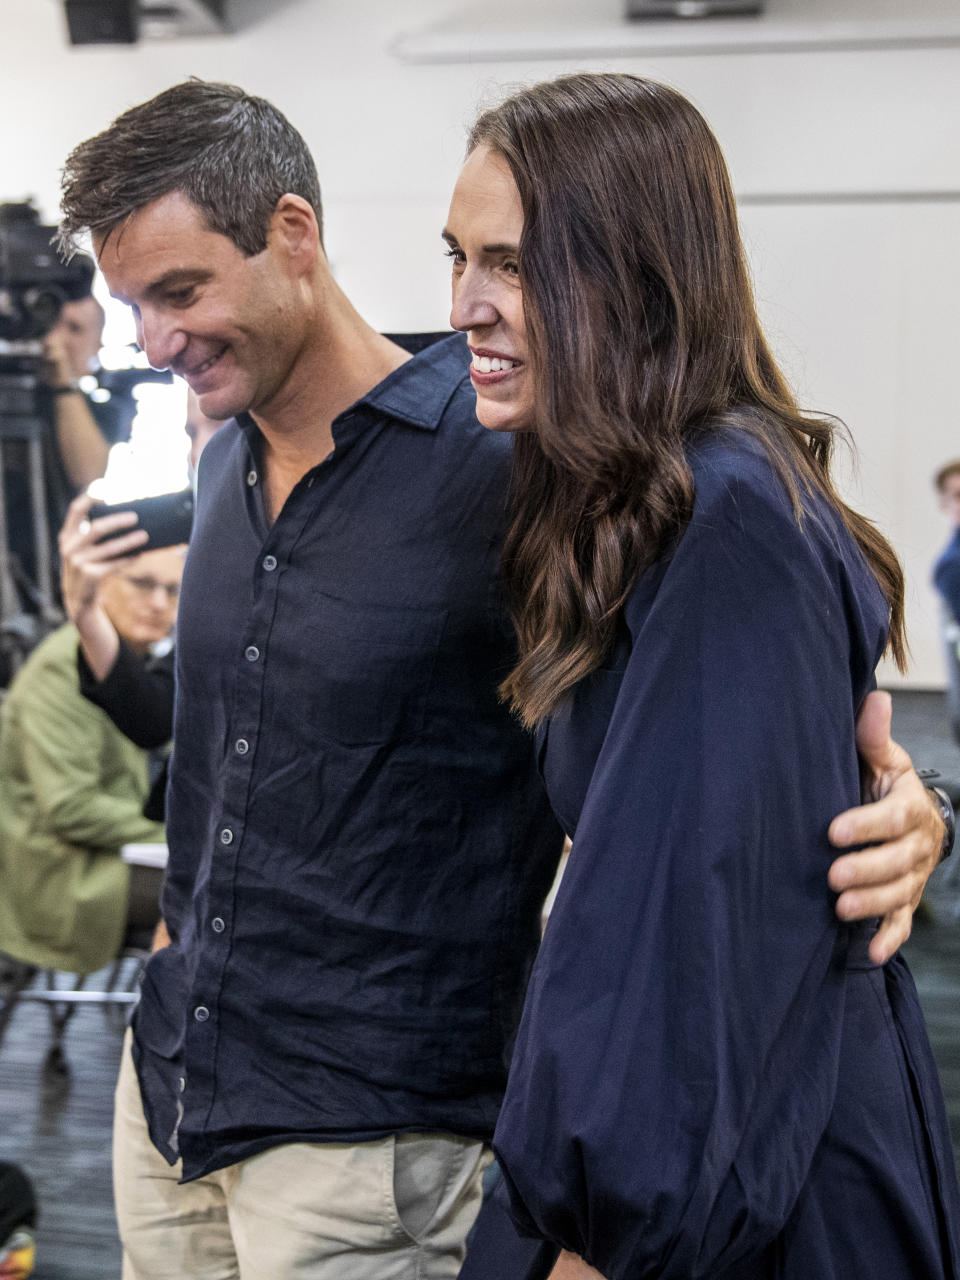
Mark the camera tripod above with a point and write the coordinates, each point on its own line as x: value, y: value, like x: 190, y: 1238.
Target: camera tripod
x: 21, y: 423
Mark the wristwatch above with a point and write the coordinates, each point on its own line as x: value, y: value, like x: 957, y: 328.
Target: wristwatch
x: 949, y: 820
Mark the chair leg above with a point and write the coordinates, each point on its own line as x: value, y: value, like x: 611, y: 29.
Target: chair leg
x: 116, y: 972
x: 60, y: 1014
x: 17, y: 979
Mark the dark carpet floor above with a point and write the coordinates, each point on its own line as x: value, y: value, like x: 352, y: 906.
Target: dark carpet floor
x: 57, y: 1125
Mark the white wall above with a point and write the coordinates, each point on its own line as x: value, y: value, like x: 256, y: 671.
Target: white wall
x: 847, y: 162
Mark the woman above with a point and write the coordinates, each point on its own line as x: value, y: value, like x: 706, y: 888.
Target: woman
x: 712, y: 1078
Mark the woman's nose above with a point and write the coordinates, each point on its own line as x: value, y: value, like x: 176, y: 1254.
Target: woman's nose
x: 472, y: 305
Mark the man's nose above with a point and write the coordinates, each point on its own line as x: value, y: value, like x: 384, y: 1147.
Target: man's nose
x: 160, y: 337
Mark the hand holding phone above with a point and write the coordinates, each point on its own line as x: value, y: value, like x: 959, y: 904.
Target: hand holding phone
x: 166, y: 518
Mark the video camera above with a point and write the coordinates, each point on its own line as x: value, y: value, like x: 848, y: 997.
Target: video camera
x: 34, y: 281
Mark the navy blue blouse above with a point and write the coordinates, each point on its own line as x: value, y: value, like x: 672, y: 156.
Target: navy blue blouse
x: 711, y: 1079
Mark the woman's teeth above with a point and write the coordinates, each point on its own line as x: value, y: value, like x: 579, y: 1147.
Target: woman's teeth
x: 492, y: 364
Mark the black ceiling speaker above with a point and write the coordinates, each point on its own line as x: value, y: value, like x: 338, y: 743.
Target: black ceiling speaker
x: 691, y: 8
x: 102, y: 21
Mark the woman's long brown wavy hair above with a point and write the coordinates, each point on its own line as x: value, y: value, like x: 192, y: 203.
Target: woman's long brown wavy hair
x: 642, y: 336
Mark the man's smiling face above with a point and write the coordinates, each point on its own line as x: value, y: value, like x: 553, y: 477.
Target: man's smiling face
x: 231, y: 326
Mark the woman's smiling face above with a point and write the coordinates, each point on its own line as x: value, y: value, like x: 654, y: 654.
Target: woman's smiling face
x: 483, y: 232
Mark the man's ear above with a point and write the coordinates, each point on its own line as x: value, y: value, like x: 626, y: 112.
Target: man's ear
x: 294, y: 232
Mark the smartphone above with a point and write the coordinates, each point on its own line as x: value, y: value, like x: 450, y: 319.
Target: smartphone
x: 167, y: 518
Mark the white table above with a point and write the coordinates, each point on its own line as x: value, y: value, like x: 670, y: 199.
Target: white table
x: 144, y: 855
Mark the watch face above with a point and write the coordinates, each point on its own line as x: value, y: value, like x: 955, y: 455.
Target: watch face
x: 946, y: 812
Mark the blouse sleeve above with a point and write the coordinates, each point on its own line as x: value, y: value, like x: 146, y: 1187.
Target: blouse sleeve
x: 677, y: 1059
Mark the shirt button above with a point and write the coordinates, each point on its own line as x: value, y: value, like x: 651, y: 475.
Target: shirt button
x: 226, y: 836
x: 181, y: 1084
x: 269, y: 563
x: 217, y: 925
x: 201, y: 1013
x: 251, y: 478
x: 251, y: 653
x: 241, y: 746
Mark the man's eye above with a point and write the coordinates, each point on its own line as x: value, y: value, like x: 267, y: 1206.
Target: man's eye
x: 512, y: 268
x: 181, y: 297
x: 457, y: 257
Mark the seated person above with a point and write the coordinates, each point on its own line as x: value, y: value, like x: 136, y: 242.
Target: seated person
x: 72, y: 787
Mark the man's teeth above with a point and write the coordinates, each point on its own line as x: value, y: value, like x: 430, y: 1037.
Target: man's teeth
x: 208, y: 364
x: 492, y: 364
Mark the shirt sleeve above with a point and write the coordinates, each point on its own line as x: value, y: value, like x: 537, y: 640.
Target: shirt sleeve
x: 678, y: 1056
x: 138, y: 697
x: 62, y: 753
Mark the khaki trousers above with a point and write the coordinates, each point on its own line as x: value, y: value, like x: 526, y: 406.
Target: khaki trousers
x: 394, y: 1209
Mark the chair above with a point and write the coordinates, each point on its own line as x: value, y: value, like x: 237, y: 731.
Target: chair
x: 25, y: 982
x: 29, y: 982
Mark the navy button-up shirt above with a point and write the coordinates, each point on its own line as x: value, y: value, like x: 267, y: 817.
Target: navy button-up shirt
x: 359, y: 843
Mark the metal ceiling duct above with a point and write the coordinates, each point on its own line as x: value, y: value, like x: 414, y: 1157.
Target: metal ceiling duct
x: 691, y: 8
x: 127, y: 21
x: 102, y: 21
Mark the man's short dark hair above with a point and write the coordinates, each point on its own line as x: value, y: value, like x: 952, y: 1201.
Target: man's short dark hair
x: 230, y: 154
x: 946, y: 471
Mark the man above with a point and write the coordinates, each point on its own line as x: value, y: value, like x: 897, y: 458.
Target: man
x: 72, y: 789
x: 359, y: 845
x: 84, y: 428
x: 946, y: 571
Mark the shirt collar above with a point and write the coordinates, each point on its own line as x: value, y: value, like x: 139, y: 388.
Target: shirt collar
x: 419, y: 391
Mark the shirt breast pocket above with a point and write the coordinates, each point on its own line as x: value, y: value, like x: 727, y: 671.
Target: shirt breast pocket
x: 370, y: 669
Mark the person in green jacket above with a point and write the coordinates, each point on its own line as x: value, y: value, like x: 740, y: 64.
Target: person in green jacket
x: 72, y: 786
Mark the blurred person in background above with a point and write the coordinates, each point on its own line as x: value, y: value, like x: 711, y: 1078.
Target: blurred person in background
x: 199, y: 430
x: 134, y: 689
x: 72, y: 787
x: 82, y: 427
x: 946, y: 579
x: 946, y: 571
